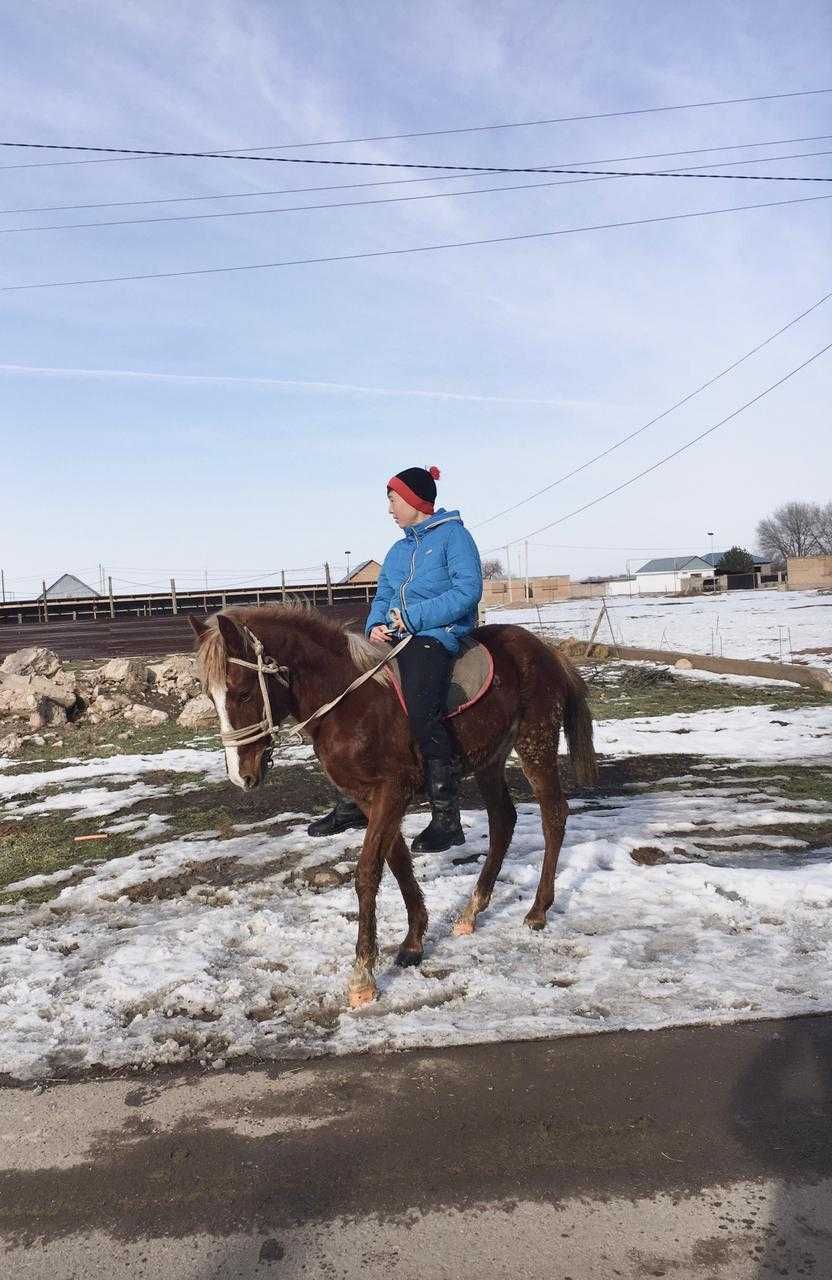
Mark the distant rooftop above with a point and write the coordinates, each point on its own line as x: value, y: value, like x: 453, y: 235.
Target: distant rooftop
x: 673, y: 564
x: 68, y: 587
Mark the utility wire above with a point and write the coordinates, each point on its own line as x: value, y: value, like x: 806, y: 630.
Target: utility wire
x: 664, y: 414
x: 668, y: 457
x: 394, y: 182
x: 441, y: 168
x: 356, y: 204
x: 127, y: 153
x: 390, y: 253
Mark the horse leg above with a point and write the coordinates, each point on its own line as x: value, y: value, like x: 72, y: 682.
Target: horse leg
x: 538, y: 752
x: 401, y: 864
x: 386, y: 812
x: 502, y: 816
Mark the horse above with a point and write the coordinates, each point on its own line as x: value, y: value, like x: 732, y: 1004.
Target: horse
x: 263, y: 665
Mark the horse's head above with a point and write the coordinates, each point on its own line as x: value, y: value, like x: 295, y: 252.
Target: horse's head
x: 228, y: 668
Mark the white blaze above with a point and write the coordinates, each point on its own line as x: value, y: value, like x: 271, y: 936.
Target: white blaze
x: 232, y: 754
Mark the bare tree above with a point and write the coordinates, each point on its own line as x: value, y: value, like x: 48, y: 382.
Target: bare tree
x: 795, y: 529
x: 824, y: 530
x: 492, y: 569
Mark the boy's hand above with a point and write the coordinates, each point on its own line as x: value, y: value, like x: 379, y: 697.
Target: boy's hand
x: 398, y: 620
x: 379, y: 635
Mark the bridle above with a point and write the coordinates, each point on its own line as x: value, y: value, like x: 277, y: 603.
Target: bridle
x: 266, y: 666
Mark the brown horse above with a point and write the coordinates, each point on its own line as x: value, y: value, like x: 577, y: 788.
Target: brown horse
x: 365, y: 747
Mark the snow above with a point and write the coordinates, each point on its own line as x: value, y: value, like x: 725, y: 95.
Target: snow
x: 207, y: 948
x: 154, y: 958
x: 767, y: 625
x: 739, y: 733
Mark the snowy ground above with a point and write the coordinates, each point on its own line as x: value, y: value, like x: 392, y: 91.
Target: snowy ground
x: 704, y: 901
x: 779, y: 626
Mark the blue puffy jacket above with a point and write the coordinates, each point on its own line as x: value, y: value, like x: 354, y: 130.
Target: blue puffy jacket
x: 433, y: 576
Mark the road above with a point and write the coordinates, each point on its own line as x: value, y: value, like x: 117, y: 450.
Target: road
x: 696, y: 1152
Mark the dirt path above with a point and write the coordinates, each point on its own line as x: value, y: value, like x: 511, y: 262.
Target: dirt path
x: 689, y: 1153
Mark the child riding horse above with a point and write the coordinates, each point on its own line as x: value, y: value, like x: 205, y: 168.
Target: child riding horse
x: 429, y: 588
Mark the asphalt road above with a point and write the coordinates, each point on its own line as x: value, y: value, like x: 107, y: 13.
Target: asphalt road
x: 698, y: 1152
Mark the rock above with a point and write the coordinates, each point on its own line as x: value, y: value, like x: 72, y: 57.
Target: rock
x: 683, y: 664
x: 145, y: 717
x: 10, y: 745
x: 131, y: 672
x: 200, y: 711
x: 23, y: 694
x: 47, y: 713
x: 31, y: 662
x: 176, y: 676
x: 37, y: 741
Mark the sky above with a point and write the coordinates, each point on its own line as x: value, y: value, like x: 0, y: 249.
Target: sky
x: 241, y: 423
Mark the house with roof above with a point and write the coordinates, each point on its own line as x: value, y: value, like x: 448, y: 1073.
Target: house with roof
x: 675, y: 575
x: 68, y: 587
x: 365, y: 572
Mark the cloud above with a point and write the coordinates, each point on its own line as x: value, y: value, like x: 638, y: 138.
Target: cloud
x: 287, y: 384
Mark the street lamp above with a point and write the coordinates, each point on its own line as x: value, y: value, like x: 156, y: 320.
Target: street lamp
x: 348, y: 554
x: 711, y: 536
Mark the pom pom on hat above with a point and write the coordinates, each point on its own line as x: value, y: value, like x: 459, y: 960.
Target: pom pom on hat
x: 417, y: 485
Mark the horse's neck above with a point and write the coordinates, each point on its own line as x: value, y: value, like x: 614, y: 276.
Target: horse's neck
x: 319, y: 678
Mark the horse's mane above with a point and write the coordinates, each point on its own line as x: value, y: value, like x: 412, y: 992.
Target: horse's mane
x: 213, y: 655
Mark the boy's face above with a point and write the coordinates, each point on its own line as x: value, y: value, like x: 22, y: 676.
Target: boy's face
x: 401, y: 511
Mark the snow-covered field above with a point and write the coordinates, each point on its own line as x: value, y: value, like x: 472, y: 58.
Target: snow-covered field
x: 779, y: 626
x: 700, y: 903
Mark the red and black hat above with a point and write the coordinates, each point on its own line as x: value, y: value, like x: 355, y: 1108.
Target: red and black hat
x: 417, y: 485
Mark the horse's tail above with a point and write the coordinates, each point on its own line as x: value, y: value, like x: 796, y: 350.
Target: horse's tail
x: 577, y: 724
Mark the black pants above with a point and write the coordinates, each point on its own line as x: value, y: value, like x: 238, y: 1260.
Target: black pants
x: 425, y: 665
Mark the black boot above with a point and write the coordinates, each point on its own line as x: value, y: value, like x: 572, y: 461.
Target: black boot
x: 343, y: 817
x: 444, y: 828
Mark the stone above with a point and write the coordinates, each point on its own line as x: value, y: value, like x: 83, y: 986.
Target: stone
x: 145, y: 717
x: 31, y: 662
x: 197, y: 713
x: 131, y: 672
x: 11, y: 744
x: 20, y: 695
x: 683, y: 664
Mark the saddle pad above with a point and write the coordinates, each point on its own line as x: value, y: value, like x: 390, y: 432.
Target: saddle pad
x: 471, y: 678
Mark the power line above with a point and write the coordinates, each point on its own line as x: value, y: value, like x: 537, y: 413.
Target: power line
x: 668, y: 457
x: 389, y: 253
x: 356, y: 204
x: 128, y: 153
x: 441, y: 168
x: 665, y: 413
x: 394, y: 182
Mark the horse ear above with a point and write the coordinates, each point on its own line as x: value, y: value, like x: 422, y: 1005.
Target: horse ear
x: 197, y: 625
x: 230, y: 633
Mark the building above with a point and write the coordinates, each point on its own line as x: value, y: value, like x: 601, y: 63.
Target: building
x: 68, y: 587
x: 807, y: 573
x: 675, y: 575
x: 367, y: 571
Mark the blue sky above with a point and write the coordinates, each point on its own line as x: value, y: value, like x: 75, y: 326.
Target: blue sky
x: 246, y: 422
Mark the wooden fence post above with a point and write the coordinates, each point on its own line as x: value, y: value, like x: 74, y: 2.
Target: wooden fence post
x: 328, y: 583
x: 283, y: 585
x: 110, y: 594
x: 45, y: 605
x: 173, y: 601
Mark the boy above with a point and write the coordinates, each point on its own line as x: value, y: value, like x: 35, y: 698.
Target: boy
x: 429, y: 586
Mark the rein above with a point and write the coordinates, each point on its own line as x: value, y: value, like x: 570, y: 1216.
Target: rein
x: 265, y: 727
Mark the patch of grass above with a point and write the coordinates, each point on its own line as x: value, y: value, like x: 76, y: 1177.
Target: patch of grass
x: 656, y: 692
x: 45, y: 843
x: 87, y: 741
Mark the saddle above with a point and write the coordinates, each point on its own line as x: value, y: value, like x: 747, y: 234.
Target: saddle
x: 471, y: 677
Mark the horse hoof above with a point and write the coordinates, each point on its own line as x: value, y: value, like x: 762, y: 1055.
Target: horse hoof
x: 405, y: 958
x: 463, y: 928
x: 535, y: 922
x: 359, y: 996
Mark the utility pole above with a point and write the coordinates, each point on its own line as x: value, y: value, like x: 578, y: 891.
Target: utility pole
x: 3, y: 585
x: 508, y: 574
x: 348, y: 554
x: 526, y: 550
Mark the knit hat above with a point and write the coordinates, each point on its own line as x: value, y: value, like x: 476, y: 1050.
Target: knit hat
x: 417, y: 485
